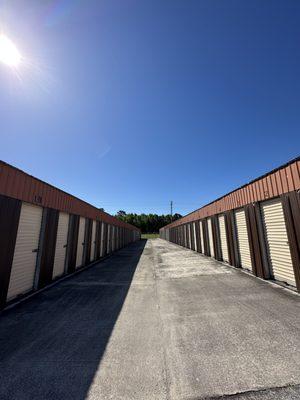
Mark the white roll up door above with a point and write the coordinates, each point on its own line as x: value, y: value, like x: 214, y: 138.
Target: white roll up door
x: 26, y: 248
x: 210, y: 237
x: 277, y: 241
x: 201, y: 236
x: 223, y: 238
x: 93, y: 241
x: 61, y: 245
x: 80, y: 242
x: 243, y: 240
x: 195, y: 237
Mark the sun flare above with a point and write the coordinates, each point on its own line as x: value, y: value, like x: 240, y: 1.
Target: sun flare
x: 9, y: 54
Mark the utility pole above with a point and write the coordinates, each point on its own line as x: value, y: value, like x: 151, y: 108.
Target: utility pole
x: 171, y: 204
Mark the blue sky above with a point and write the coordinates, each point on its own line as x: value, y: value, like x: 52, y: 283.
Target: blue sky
x: 130, y: 104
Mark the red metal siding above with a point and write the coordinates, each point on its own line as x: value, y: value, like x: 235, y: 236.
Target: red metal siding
x: 17, y: 184
x: 283, y: 180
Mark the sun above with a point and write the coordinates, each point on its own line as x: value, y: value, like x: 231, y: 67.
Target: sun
x: 9, y: 54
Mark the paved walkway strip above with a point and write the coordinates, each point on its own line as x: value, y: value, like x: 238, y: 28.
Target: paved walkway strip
x: 154, y: 321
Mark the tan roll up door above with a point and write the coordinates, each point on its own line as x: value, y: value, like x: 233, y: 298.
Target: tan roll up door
x: 223, y: 238
x: 195, y: 237
x: 61, y: 245
x: 277, y: 241
x: 201, y: 237
x: 26, y: 250
x: 93, y: 241
x: 210, y: 237
x: 189, y: 235
x: 243, y: 240
x: 80, y: 242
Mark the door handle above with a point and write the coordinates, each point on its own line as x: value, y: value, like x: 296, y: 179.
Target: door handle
x: 35, y: 250
x: 65, y: 246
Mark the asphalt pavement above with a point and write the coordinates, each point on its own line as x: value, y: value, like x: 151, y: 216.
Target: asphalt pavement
x: 153, y: 321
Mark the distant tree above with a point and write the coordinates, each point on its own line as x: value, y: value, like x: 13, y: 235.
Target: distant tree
x: 101, y: 209
x: 148, y: 223
x: 121, y: 213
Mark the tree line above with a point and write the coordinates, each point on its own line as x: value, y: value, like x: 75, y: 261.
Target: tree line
x: 148, y: 223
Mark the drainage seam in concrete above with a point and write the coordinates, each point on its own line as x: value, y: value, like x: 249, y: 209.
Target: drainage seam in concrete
x: 167, y: 377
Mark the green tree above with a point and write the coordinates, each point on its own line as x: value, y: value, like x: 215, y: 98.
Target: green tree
x: 148, y: 223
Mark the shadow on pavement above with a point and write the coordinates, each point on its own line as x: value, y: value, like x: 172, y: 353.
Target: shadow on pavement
x: 52, y: 344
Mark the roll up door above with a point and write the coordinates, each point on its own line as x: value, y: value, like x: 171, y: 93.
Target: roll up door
x: 26, y: 250
x: 223, y: 238
x: 242, y: 239
x: 184, y: 236
x: 210, y: 238
x: 61, y: 245
x: 277, y: 241
x: 201, y: 236
x: 195, y: 237
x: 93, y: 241
x: 80, y: 242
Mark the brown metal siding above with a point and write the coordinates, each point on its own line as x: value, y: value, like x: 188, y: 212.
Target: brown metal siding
x: 47, y: 245
x: 255, y: 244
x: 9, y: 220
x: 105, y: 240
x: 87, y: 242
x: 197, y: 228
x: 98, y: 240
x: 192, y: 237
x: 216, y: 238
x: 230, y: 234
x: 17, y: 184
x: 72, y: 243
x: 291, y: 209
x: 205, y: 237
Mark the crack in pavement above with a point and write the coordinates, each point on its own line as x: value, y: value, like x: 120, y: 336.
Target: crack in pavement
x: 248, y: 393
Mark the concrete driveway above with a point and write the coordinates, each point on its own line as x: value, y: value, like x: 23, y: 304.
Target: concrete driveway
x: 154, y: 321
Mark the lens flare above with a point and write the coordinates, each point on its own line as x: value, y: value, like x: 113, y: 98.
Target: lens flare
x: 9, y: 54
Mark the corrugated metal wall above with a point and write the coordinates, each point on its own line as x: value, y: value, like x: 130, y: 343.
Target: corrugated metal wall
x: 46, y: 233
x: 282, y: 180
x: 17, y: 184
x: 256, y: 226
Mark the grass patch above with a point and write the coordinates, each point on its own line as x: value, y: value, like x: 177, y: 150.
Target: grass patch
x: 150, y: 235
